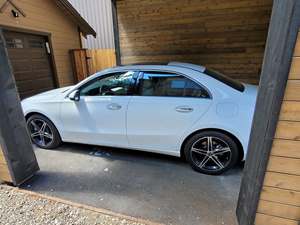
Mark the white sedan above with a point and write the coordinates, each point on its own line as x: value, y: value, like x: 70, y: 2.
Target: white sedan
x: 177, y: 109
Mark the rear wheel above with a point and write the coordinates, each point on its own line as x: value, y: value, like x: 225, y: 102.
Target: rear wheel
x: 211, y: 152
x: 43, y: 133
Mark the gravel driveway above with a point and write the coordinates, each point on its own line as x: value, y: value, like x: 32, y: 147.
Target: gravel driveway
x: 19, y: 208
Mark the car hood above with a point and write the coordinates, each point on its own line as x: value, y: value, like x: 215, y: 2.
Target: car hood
x: 55, y: 91
x: 49, y: 94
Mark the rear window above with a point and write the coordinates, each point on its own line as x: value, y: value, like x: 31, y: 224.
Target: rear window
x: 169, y: 85
x: 226, y: 80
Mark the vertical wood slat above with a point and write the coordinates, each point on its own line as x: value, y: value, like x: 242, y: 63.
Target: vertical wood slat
x: 89, y: 61
x: 101, y: 59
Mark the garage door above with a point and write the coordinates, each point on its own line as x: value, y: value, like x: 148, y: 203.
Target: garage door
x: 30, y: 59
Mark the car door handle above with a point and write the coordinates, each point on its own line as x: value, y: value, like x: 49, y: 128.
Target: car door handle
x: 114, y: 106
x: 184, y: 109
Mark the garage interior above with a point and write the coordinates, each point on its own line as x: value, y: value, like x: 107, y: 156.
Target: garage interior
x: 249, y: 57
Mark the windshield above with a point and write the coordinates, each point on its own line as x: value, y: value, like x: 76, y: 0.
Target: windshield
x: 226, y: 80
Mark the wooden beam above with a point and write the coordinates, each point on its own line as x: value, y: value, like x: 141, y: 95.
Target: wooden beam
x: 5, y: 5
x: 284, y: 26
x: 116, y: 31
x: 17, y: 8
x: 14, y: 138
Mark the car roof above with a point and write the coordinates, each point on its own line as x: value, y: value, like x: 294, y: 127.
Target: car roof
x: 173, y: 66
x: 198, y: 68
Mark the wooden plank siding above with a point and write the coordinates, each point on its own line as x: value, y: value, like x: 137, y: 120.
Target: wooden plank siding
x: 4, y: 172
x: 226, y: 35
x: 2, y: 159
x: 280, y: 196
x: 45, y: 16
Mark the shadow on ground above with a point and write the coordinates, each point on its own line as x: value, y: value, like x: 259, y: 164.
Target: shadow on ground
x: 150, y: 186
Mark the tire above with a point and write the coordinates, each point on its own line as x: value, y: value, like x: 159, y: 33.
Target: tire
x: 43, y: 133
x: 215, y: 158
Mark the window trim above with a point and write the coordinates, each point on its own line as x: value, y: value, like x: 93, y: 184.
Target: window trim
x: 234, y: 84
x: 141, y: 75
x: 105, y: 76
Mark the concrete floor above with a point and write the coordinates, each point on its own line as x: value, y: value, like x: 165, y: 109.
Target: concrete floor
x: 150, y: 186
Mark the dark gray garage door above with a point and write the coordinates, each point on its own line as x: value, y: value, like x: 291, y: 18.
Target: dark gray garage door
x: 31, y: 63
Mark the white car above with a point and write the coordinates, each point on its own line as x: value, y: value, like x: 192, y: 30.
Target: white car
x: 177, y: 109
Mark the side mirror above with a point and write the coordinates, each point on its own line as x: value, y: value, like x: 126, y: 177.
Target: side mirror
x: 75, y: 96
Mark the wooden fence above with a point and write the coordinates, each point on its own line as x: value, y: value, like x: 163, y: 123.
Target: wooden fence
x: 89, y: 61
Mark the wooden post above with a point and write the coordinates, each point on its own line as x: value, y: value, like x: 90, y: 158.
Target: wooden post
x: 116, y: 32
x: 281, y: 41
x: 17, y: 153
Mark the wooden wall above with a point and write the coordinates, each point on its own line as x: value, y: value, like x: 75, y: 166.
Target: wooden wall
x: 227, y: 35
x: 4, y: 173
x: 280, y: 197
x: 45, y: 16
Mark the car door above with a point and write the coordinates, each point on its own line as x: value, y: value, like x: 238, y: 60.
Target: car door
x: 167, y: 106
x: 99, y: 117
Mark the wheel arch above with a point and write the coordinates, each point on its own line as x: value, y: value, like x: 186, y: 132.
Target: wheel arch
x: 29, y: 114
x: 236, y: 140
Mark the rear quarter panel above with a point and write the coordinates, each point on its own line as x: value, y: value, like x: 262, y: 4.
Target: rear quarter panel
x: 231, y: 111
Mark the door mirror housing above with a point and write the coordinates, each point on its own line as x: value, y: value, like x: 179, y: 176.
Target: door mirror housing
x: 75, y: 96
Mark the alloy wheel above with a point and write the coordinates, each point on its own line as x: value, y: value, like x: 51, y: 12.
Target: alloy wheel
x: 40, y: 132
x: 211, y: 153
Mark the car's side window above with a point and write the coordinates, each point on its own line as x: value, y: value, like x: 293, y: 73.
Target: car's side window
x: 118, y: 84
x: 169, y: 84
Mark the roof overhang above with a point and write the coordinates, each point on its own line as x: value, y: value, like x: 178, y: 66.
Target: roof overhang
x: 70, y: 11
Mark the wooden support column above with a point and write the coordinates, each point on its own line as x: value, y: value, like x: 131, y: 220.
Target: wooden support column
x: 116, y: 31
x: 17, y: 159
x: 283, y: 30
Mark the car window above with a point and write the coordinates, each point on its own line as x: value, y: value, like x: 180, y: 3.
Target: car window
x: 226, y: 80
x: 171, y: 85
x: 113, y: 84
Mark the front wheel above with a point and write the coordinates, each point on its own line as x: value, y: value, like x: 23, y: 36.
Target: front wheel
x: 211, y: 152
x: 43, y: 133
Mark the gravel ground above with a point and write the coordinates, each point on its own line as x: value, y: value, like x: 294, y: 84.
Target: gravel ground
x: 18, y: 208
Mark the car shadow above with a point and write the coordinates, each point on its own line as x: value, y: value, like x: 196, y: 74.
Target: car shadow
x: 113, y: 153
x: 120, y: 159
